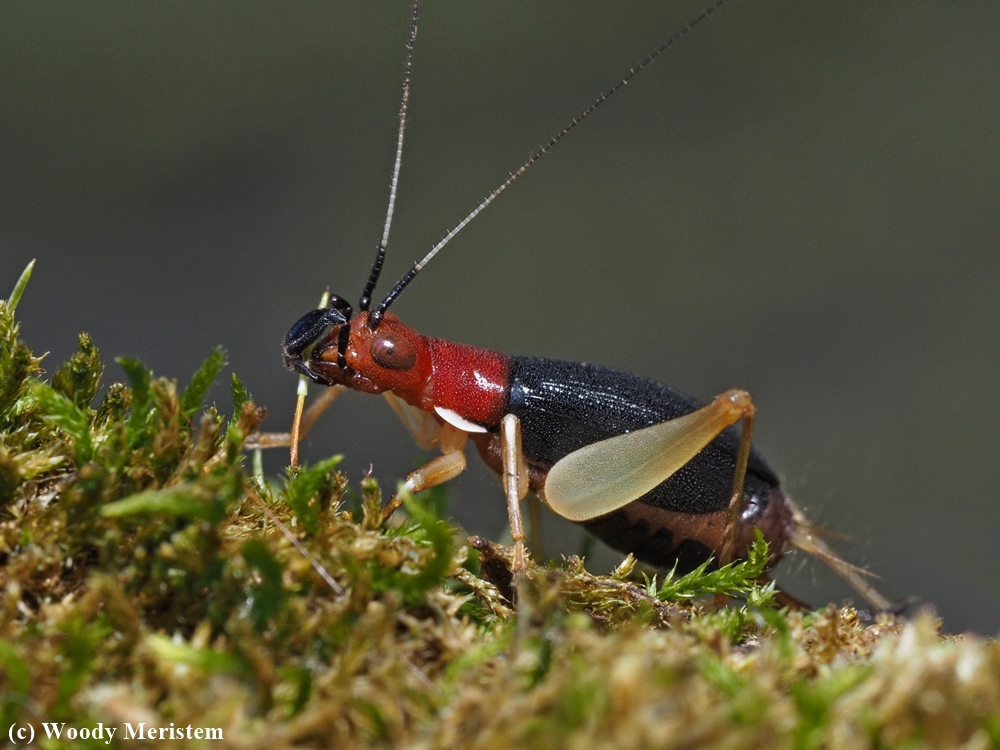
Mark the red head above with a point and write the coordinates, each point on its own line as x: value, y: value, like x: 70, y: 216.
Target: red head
x: 331, y: 347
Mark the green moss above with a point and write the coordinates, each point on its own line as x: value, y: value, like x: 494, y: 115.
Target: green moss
x: 146, y: 577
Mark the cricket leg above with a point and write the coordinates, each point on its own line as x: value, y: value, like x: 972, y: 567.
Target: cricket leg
x: 445, y: 467
x: 515, y: 484
x: 302, y: 424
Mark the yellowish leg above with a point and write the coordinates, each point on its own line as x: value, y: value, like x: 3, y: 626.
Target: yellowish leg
x: 303, y: 423
x: 801, y: 535
x: 293, y: 442
x: 318, y: 407
x: 442, y: 469
x: 314, y: 412
x: 515, y: 485
x: 421, y: 425
x: 728, y: 553
x: 299, y: 430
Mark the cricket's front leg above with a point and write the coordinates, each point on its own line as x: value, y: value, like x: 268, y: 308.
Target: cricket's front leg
x: 442, y: 469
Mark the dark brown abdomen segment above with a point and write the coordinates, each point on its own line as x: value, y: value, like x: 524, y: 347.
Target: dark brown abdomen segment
x: 663, y: 538
x: 564, y: 406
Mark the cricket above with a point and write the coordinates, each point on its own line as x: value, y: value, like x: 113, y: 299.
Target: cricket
x: 648, y: 470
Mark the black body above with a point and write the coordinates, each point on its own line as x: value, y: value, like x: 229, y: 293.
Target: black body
x: 564, y: 406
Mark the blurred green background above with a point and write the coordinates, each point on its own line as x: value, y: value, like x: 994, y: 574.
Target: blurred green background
x: 801, y: 199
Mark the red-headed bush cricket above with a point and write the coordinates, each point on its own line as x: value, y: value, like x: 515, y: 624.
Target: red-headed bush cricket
x: 643, y: 467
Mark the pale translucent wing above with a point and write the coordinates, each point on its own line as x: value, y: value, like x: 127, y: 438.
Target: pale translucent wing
x: 607, y: 475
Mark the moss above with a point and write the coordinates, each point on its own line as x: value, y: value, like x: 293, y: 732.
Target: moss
x: 146, y: 578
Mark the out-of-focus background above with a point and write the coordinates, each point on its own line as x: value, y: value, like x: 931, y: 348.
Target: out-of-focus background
x: 801, y: 199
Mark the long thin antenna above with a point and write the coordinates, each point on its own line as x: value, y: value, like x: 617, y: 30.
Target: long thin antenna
x: 376, y: 317
x: 366, y: 296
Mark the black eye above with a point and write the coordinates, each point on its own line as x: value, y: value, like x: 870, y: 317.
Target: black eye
x: 393, y: 353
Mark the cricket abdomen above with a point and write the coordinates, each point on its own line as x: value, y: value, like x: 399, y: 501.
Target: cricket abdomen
x: 564, y: 406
